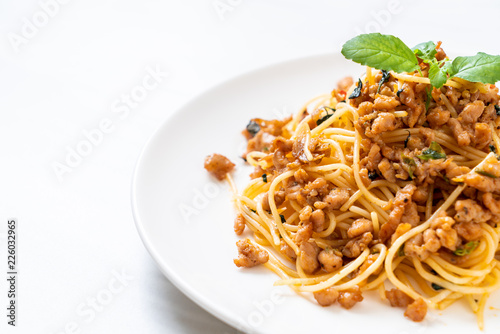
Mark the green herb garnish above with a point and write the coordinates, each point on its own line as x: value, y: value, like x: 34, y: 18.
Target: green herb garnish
x: 389, y: 53
x: 327, y: 116
x: 411, y: 164
x: 372, y: 175
x: 401, y: 250
x: 407, y: 138
x: 435, y: 151
x: 385, y: 77
x: 253, y: 128
x: 264, y: 178
x: 399, y: 92
x: 436, y: 287
x: 468, y: 248
x: 384, y: 52
x: 497, y: 109
x: 493, y: 148
x: 485, y: 173
x: 283, y: 220
x: 357, y: 91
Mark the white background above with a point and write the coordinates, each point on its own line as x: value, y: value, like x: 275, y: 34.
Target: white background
x: 64, y: 77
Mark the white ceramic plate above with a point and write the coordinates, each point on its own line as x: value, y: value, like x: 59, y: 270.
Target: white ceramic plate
x: 185, y: 217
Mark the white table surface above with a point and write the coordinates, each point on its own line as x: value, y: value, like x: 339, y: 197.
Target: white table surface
x: 68, y: 74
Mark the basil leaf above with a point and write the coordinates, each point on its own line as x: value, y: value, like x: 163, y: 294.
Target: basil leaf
x: 283, y: 220
x: 497, y: 109
x: 264, y: 178
x: 434, y: 152
x: 468, y: 248
x: 407, y: 139
x: 383, y: 52
x: 482, y: 67
x: 385, y: 77
x: 425, y: 51
x: 357, y: 91
x: 411, y: 164
x: 484, y: 173
x: 401, y: 250
x: 438, y: 75
x: 436, y: 287
x: 253, y: 128
x: 327, y: 116
x: 493, y: 148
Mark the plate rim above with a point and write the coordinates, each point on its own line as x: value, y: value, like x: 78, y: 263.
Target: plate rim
x: 165, y: 269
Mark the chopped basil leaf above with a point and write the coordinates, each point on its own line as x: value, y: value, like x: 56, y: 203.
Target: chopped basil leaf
x: 327, y: 116
x: 385, y: 77
x: 253, y: 211
x: 407, y: 138
x: 253, y: 128
x: 283, y: 220
x: 435, y: 151
x: 436, y: 287
x: 468, y: 248
x: 493, y: 149
x: 401, y: 250
x: 399, y: 91
x: 411, y: 164
x: 264, y: 178
x: 484, y: 173
x: 429, y: 98
x: 357, y: 91
x: 324, y: 118
x: 372, y: 175
x: 497, y: 109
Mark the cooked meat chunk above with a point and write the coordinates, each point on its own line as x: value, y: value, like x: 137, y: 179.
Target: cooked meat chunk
x: 218, y: 165
x: 355, y: 247
x: 491, y: 203
x: 461, y: 136
x: 387, y: 170
x: 417, y: 310
x: 383, y: 102
x: 422, y: 245
x: 239, y: 224
x: 469, y: 211
x: 398, y: 298
x: 327, y: 296
x: 304, y: 232
x: 318, y: 220
x: 336, y: 198
x: 468, y: 231
x: 482, y: 135
x: 249, y: 255
x: 438, y: 116
x: 402, y: 201
x: 305, y: 214
x: 360, y: 226
x: 347, y: 299
x: 287, y: 250
x: 472, y: 111
x: 482, y: 183
x: 308, y: 257
x: 384, y: 122
x: 330, y: 260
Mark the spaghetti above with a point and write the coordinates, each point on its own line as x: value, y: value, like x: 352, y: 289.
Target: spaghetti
x: 381, y: 182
